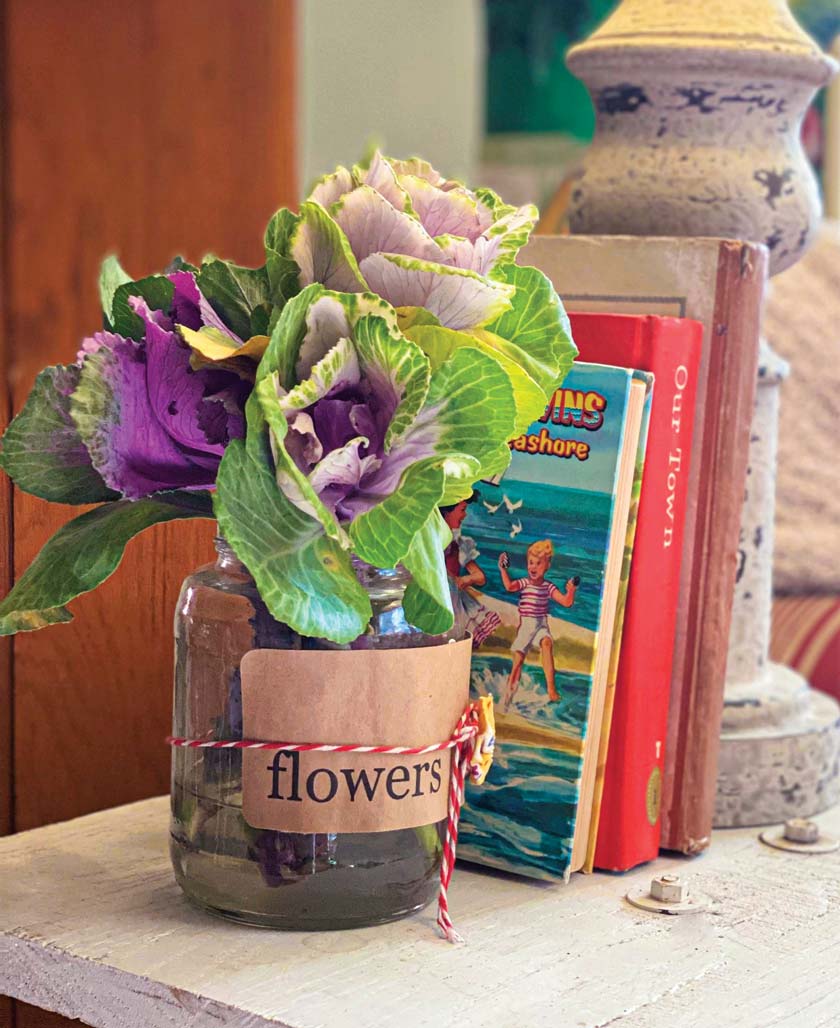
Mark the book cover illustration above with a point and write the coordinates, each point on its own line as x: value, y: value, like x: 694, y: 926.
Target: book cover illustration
x: 531, y: 558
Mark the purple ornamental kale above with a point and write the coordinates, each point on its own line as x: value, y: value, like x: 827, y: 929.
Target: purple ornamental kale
x: 149, y: 420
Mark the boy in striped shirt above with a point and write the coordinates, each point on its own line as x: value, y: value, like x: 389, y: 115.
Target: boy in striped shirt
x: 535, y: 593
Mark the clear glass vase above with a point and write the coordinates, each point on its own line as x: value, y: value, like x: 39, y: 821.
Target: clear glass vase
x: 259, y: 876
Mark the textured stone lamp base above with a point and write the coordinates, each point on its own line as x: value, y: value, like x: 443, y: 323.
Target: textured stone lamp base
x: 779, y: 752
x: 698, y: 111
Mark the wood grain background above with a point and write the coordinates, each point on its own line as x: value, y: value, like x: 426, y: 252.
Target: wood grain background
x: 146, y: 129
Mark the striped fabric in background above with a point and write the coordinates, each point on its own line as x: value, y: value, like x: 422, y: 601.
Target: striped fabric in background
x: 805, y: 635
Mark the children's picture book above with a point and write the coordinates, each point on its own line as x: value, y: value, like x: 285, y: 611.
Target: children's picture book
x: 536, y: 570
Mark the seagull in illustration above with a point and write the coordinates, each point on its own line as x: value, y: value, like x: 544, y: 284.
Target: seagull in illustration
x: 511, y: 506
x: 516, y: 528
x: 491, y: 506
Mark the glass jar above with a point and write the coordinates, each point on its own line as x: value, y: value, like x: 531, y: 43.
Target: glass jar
x: 265, y: 877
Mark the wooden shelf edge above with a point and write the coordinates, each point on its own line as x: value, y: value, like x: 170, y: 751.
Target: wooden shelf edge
x: 102, y: 996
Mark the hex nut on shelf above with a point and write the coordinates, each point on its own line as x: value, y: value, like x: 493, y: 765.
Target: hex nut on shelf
x: 800, y: 835
x: 669, y: 888
x: 799, y: 829
x: 668, y: 894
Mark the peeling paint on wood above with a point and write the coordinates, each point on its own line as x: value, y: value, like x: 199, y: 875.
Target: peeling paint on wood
x: 93, y: 926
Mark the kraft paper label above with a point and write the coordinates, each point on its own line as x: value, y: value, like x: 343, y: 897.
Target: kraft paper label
x: 400, y: 697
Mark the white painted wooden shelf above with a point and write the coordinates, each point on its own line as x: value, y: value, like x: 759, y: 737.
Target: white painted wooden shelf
x: 93, y: 926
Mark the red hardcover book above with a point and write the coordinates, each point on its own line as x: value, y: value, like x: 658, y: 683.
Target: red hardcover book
x: 629, y: 829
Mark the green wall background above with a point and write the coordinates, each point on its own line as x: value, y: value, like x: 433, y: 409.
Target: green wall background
x: 528, y: 86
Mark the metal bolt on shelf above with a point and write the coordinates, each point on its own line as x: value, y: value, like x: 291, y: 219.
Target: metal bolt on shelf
x: 668, y: 894
x: 800, y: 829
x: 800, y: 835
x: 669, y: 889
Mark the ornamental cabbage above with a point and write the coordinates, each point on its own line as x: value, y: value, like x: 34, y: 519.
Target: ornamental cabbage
x: 321, y: 406
x: 354, y: 440
x: 402, y: 231
x: 149, y: 420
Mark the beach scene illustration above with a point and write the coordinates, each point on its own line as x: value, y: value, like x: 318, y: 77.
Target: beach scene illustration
x: 537, y: 540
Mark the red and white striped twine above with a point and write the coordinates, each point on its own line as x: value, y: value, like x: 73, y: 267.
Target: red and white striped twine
x: 462, y: 740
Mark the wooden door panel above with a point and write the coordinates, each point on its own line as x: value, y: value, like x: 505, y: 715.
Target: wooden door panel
x: 146, y: 129
x: 93, y: 698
